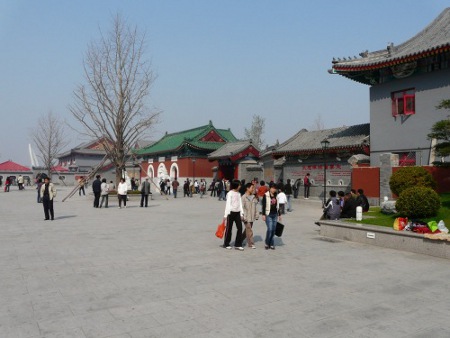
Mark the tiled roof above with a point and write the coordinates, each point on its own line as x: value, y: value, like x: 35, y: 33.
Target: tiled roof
x: 230, y: 149
x: 435, y: 37
x: 340, y: 138
x: 10, y: 166
x: 191, y: 138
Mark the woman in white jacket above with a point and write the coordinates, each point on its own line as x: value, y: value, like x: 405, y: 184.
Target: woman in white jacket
x: 233, y: 213
x: 122, y: 189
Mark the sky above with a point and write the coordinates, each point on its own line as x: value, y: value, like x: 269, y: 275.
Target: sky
x: 223, y: 61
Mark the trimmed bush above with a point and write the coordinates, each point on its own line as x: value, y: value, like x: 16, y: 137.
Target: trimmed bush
x: 418, y: 202
x: 408, y: 177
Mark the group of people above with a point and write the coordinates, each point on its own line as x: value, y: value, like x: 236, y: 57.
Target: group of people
x: 10, y: 180
x: 343, y: 205
x: 241, y: 208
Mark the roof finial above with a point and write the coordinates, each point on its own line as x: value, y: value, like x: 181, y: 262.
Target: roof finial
x: 210, y: 123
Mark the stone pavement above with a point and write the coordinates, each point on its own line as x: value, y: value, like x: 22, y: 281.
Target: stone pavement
x: 160, y: 272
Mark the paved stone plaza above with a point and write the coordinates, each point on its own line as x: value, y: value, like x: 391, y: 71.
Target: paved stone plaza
x: 160, y: 272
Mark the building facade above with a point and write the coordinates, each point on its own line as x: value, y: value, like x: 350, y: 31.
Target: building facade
x: 304, y: 153
x: 407, y: 82
x: 183, y: 154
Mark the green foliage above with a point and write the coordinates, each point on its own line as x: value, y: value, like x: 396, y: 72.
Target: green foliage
x: 418, y: 202
x: 441, y: 132
x: 408, y: 177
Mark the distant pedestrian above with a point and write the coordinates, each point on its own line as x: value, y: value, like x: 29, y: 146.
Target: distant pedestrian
x: 145, y: 191
x: 38, y: 188
x: 307, y: 184
x: 97, y: 190
x: 282, y: 200
x: 81, y: 184
x: 212, y: 188
x: 221, y: 190
x: 20, y: 182
x: 270, y: 214
x: 288, y: 192
x: 122, y: 190
x: 104, y: 193
x: 175, y: 185
x: 48, y: 193
x: 7, y: 183
x: 234, y: 213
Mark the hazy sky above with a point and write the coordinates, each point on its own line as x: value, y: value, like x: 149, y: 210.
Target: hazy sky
x: 216, y: 60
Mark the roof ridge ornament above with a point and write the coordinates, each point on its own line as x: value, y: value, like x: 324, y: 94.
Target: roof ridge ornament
x: 390, y: 48
x: 364, y: 54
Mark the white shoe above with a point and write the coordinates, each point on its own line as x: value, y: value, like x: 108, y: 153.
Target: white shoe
x: 228, y: 247
x: 240, y: 248
x: 253, y: 247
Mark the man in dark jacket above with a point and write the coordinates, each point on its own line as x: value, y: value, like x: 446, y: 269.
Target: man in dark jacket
x: 288, y: 192
x: 362, y: 201
x: 97, y: 190
x: 145, y: 191
x: 349, y: 208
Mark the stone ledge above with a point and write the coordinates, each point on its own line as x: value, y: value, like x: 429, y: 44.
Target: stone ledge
x: 385, y: 237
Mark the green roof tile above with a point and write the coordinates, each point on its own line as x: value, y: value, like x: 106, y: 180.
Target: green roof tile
x: 174, y: 141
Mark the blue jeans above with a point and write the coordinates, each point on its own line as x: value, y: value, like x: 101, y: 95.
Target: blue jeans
x: 271, y: 223
x: 289, y: 208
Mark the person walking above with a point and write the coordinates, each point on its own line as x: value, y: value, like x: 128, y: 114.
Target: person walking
x: 122, y: 189
x: 234, y: 213
x: 212, y: 188
x: 145, y: 191
x: 97, y: 190
x: 20, y: 182
x: 104, y: 193
x: 7, y: 183
x: 249, y: 206
x: 38, y: 188
x: 270, y: 214
x: 175, y: 185
x: 282, y: 200
x: 307, y: 184
x: 288, y: 192
x: 81, y: 183
x: 48, y: 193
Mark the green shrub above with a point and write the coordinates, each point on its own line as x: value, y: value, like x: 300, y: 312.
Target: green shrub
x: 408, y: 177
x: 418, y: 202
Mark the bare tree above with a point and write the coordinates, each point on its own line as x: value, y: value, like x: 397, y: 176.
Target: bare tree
x: 256, y: 131
x: 319, y: 124
x: 111, y: 105
x: 49, y: 138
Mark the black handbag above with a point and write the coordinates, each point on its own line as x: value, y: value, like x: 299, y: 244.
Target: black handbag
x: 279, y: 229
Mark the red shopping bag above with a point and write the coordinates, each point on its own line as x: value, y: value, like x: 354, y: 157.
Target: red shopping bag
x: 220, y: 230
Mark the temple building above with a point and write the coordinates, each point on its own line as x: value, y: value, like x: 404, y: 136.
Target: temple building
x: 184, y: 154
x: 237, y: 160
x: 407, y: 81
x: 306, y: 152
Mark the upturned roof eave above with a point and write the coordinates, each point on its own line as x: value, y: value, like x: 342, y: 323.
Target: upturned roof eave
x: 341, y: 69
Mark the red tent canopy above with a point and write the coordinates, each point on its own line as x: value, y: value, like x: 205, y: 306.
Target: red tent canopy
x: 13, y: 167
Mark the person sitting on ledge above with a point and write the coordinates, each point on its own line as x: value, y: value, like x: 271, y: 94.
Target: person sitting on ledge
x: 349, y: 208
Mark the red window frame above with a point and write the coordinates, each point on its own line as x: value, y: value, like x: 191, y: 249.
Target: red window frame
x: 403, y: 102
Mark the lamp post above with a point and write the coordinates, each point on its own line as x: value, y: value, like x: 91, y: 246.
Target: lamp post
x: 325, y: 143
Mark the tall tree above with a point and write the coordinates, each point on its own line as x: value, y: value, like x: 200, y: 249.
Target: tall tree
x: 49, y: 138
x: 441, y: 132
x: 111, y: 105
x: 256, y: 131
